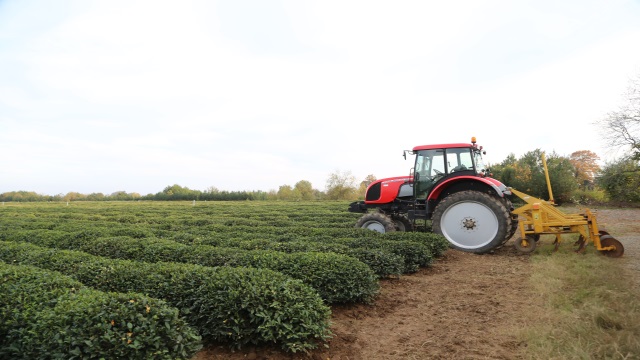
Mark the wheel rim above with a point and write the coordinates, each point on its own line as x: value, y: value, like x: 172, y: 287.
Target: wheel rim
x: 469, y: 224
x: 374, y: 225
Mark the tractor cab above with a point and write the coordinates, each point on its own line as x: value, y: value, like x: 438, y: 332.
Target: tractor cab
x: 437, y: 163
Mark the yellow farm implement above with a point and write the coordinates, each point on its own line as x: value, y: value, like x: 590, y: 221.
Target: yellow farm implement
x: 539, y: 217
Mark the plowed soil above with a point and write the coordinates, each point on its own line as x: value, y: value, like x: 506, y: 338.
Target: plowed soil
x: 463, y: 307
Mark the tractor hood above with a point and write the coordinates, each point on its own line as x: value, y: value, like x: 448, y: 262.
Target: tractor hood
x: 385, y: 190
x: 388, y: 189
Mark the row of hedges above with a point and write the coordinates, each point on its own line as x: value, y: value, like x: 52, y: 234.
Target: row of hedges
x: 437, y: 244
x: 337, y: 278
x: 410, y: 255
x: 238, y: 306
x: 383, y: 263
x: 316, y: 215
x: 46, y: 315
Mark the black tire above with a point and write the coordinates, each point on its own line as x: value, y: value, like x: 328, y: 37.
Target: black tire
x: 472, y: 221
x: 377, y: 222
x: 526, y: 247
x: 514, y: 220
x: 402, y: 223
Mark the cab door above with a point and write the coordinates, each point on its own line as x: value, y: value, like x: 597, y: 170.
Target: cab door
x: 430, y: 167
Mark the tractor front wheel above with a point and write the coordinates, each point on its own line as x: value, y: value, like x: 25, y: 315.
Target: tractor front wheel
x: 472, y: 221
x: 377, y: 222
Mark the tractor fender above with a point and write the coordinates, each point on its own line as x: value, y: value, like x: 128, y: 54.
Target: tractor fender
x: 500, y: 189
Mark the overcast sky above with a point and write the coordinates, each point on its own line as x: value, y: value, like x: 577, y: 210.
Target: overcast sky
x: 103, y: 96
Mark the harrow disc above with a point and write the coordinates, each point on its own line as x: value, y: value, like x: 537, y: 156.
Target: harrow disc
x: 608, y: 240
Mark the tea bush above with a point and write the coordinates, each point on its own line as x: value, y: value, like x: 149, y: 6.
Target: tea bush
x: 238, y: 306
x: 337, y: 278
x: 46, y: 315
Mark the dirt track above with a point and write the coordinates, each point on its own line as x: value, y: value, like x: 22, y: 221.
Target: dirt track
x: 464, y: 307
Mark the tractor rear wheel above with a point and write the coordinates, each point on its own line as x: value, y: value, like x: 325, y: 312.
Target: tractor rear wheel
x: 514, y: 220
x: 377, y: 222
x: 472, y: 221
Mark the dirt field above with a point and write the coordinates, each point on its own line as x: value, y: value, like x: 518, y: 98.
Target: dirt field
x: 624, y: 225
x: 464, y: 307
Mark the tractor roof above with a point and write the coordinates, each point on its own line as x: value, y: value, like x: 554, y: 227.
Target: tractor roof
x: 442, y: 146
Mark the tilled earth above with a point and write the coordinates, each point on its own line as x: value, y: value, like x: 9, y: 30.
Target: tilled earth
x: 463, y: 307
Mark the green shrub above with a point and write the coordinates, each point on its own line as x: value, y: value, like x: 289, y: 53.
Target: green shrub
x: 337, y: 278
x: 415, y: 254
x: 589, y: 197
x: 46, y: 315
x: 238, y: 306
x: 415, y: 249
x: 383, y: 263
x: 436, y: 243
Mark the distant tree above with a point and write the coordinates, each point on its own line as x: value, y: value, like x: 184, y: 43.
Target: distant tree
x: 527, y: 175
x: 96, y: 197
x: 585, y: 163
x: 177, y: 192
x: 285, y: 192
x: 621, y: 180
x: 505, y: 171
x: 305, y: 190
x: 212, y: 190
x: 561, y: 174
x: 21, y: 196
x: 272, y: 195
x: 73, y: 196
x: 319, y: 195
x: 341, y: 186
x: 119, y: 196
x: 622, y: 127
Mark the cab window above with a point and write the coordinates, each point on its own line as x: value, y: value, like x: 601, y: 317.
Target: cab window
x: 430, y: 167
x: 459, y: 160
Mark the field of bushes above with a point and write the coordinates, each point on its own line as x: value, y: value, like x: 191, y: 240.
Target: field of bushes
x: 163, y: 279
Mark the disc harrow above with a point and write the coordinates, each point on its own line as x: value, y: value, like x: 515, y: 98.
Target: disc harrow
x: 539, y: 217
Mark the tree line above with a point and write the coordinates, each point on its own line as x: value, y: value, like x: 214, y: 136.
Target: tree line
x: 576, y: 178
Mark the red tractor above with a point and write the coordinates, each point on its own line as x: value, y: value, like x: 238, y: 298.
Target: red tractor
x: 451, y: 188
